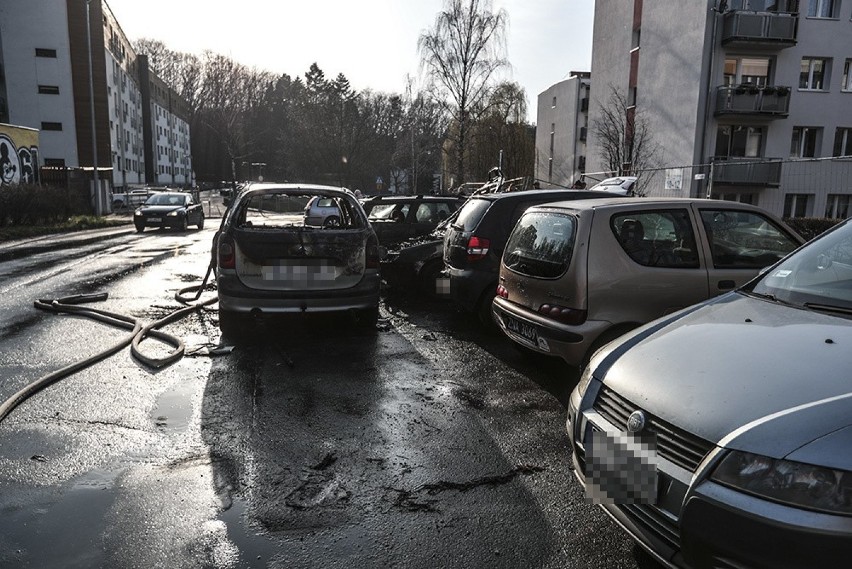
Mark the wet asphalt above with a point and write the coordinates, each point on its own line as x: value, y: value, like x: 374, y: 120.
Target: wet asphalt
x: 428, y: 442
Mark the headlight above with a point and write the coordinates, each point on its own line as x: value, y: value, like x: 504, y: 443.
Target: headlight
x: 175, y: 213
x: 137, y: 212
x: 792, y: 483
x: 585, y: 380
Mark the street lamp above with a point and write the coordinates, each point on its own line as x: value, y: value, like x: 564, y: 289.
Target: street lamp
x: 95, y: 180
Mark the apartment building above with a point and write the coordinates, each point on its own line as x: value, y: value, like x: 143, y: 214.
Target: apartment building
x: 747, y: 100
x: 561, y: 130
x: 45, y: 83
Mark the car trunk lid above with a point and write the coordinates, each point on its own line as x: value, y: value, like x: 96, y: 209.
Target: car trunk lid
x: 300, y: 258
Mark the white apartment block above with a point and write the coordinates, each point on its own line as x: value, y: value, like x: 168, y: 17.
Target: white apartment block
x: 748, y: 100
x: 141, y: 127
x: 561, y: 131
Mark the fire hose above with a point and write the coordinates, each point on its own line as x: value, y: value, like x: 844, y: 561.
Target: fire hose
x: 138, y: 333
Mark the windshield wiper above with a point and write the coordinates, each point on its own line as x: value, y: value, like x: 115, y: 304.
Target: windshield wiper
x: 828, y: 308
x: 763, y: 295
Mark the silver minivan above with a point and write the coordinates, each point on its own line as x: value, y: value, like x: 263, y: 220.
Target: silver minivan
x: 576, y: 275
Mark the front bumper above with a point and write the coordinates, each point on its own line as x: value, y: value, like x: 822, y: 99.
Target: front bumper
x: 696, y: 523
x: 159, y: 221
x: 551, y: 338
x: 236, y: 297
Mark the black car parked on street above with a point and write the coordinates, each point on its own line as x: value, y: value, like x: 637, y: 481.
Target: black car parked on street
x: 474, y: 242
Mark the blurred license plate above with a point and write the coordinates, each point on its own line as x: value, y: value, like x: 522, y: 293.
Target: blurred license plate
x: 522, y: 329
x: 156, y: 219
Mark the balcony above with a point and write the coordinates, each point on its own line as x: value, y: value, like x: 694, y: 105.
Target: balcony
x: 742, y: 28
x: 736, y: 171
x: 769, y: 101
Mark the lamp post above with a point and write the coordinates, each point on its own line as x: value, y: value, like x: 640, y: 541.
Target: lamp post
x: 95, y: 180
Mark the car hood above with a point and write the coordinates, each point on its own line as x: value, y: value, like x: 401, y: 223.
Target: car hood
x: 740, y: 372
x: 161, y: 209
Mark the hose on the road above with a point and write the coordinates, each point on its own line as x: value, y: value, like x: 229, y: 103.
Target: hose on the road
x: 139, y: 332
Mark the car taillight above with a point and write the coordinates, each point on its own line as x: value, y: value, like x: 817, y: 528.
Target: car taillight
x: 372, y: 255
x: 227, y: 257
x: 563, y: 314
x: 477, y: 248
x: 502, y: 292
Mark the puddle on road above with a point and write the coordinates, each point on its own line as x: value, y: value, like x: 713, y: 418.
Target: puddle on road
x: 174, y: 408
x: 63, y: 534
x: 255, y: 550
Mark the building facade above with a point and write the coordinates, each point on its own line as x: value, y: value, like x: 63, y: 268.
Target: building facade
x: 561, y: 131
x: 747, y: 100
x: 45, y: 57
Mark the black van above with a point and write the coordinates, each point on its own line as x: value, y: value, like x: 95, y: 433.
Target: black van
x: 474, y: 242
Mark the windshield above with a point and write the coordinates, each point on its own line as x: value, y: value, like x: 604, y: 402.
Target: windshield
x: 818, y: 275
x: 167, y: 199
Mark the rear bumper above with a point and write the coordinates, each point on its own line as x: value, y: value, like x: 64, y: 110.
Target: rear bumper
x: 236, y: 297
x: 467, y: 286
x: 554, y: 339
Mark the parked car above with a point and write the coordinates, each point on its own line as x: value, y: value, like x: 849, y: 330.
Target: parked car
x: 270, y: 260
x: 397, y: 218
x: 169, y: 209
x: 578, y: 274
x: 418, y: 264
x: 129, y: 199
x: 748, y: 398
x: 474, y: 242
x: 620, y: 185
x: 322, y: 212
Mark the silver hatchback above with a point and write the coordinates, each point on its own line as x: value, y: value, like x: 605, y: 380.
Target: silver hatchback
x: 270, y: 260
x: 575, y: 275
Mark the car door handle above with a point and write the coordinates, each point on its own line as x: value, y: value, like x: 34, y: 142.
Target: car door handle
x: 725, y: 285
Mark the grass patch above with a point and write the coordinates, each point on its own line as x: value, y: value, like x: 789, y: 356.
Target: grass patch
x: 74, y: 223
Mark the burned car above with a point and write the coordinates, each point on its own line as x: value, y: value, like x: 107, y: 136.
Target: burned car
x: 397, y: 218
x: 270, y: 260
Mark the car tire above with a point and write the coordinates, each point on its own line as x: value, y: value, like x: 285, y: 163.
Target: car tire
x: 140, y: 228
x: 483, y: 309
x: 201, y: 223
x: 184, y: 224
x: 230, y: 324
x: 117, y: 204
x: 367, y: 318
x: 331, y: 221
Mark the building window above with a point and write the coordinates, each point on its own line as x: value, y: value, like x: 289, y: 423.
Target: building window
x: 751, y: 70
x: 821, y: 8
x: 813, y: 72
x: 846, y: 85
x: 837, y: 206
x: 48, y: 90
x: 43, y: 52
x: 805, y: 142
x: 842, y: 142
x: 51, y: 126
x: 739, y: 141
x: 553, y: 105
x: 550, y: 169
x: 796, y: 205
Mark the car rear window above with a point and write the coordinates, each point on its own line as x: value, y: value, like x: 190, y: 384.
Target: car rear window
x: 471, y: 213
x: 275, y: 210
x: 541, y: 244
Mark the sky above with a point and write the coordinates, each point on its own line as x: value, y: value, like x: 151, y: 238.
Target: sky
x: 372, y: 42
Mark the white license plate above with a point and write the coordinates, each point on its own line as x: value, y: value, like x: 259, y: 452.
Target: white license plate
x: 522, y: 329
x: 155, y: 219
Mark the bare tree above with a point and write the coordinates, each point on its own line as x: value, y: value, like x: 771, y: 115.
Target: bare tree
x: 502, y: 127
x: 460, y: 56
x: 624, y: 138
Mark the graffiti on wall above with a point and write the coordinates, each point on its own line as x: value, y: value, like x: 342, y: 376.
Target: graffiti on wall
x: 18, y: 155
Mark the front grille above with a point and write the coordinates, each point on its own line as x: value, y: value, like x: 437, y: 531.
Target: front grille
x: 674, y: 444
x: 654, y: 522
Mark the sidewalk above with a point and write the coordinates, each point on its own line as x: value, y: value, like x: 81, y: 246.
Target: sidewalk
x: 33, y: 245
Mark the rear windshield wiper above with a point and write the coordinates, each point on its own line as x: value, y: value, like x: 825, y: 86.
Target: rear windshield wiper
x: 829, y: 308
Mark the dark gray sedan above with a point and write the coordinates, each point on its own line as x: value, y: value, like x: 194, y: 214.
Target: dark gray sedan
x: 721, y: 436
x: 177, y: 210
